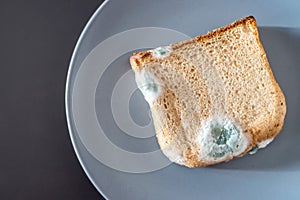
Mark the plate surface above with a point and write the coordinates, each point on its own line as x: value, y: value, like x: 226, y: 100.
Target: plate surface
x: 109, y: 121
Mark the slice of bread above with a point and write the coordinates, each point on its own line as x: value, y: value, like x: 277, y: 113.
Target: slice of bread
x: 212, y: 97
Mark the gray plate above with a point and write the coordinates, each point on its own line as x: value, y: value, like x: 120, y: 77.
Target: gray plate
x: 109, y: 121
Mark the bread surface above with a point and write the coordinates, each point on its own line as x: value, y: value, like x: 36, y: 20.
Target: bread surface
x: 212, y: 97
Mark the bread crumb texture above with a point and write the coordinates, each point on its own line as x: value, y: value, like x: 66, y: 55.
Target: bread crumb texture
x: 205, y: 84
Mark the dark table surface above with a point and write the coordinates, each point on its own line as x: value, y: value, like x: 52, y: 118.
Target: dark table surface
x: 37, y: 39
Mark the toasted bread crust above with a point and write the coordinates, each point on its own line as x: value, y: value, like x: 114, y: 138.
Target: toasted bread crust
x: 137, y: 58
x: 263, y: 129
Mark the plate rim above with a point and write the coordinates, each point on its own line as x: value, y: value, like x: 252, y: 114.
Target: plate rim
x: 68, y: 98
x: 67, y: 92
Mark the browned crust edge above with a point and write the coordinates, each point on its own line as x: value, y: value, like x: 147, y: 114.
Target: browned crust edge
x: 137, y: 58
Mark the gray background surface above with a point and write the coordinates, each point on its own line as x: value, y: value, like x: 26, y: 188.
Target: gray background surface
x: 37, y: 159
x: 37, y: 39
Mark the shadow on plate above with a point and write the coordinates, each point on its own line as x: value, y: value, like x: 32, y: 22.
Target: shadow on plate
x: 282, y: 46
